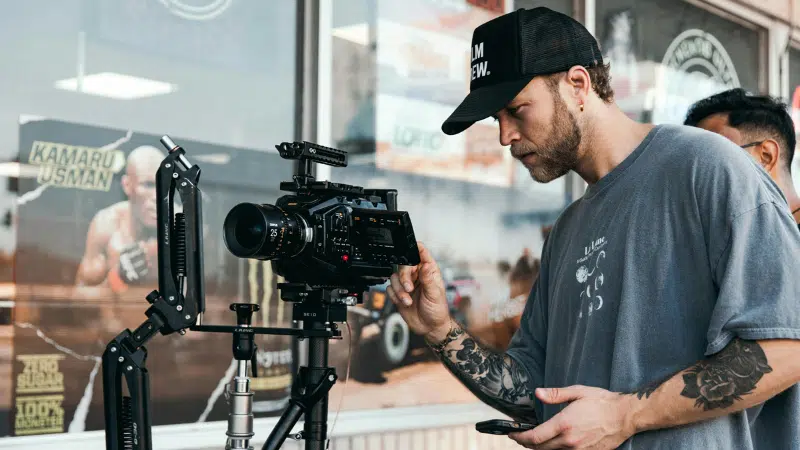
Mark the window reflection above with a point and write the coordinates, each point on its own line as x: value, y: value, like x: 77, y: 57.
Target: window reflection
x: 399, y: 69
x: 664, y: 56
x: 88, y: 83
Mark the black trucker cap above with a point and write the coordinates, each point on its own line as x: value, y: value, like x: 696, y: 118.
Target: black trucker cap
x: 507, y: 52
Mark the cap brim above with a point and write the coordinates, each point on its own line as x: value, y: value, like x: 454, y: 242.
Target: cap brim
x: 482, y: 103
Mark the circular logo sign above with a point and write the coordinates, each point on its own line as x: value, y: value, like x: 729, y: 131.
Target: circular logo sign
x: 197, y: 9
x: 694, y: 66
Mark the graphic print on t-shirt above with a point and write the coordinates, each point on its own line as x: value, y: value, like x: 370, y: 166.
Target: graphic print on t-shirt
x: 591, y: 276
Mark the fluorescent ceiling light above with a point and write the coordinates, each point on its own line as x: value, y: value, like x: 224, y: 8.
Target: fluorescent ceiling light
x: 17, y: 170
x: 116, y: 86
x: 358, y: 33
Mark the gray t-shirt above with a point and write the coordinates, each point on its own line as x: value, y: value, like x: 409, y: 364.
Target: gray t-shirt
x: 682, y: 247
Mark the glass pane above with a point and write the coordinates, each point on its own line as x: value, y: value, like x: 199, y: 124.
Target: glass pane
x: 666, y: 55
x: 90, y: 88
x: 399, y: 69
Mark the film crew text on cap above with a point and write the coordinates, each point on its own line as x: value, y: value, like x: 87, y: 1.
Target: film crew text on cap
x: 507, y: 52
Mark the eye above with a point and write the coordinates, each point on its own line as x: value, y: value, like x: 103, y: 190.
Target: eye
x: 515, y: 111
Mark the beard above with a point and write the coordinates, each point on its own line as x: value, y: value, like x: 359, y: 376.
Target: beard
x: 558, y: 154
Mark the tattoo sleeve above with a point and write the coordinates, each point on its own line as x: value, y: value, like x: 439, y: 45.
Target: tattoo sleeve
x: 720, y: 381
x: 496, y: 379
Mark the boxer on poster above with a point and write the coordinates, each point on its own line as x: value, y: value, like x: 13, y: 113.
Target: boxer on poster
x: 121, y: 245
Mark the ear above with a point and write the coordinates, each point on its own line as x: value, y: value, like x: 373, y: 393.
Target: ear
x: 580, y: 83
x: 769, y: 154
x: 126, y: 185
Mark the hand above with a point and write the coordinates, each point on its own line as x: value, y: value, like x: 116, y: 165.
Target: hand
x: 133, y: 266
x: 151, y: 251
x: 594, y: 419
x: 418, y: 292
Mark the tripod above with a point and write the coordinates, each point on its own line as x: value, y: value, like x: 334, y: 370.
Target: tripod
x: 319, y: 309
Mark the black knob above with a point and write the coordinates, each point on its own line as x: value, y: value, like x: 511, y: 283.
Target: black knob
x: 244, y: 312
x: 152, y: 297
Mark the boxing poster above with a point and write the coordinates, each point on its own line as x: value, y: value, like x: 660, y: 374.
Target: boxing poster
x: 86, y: 258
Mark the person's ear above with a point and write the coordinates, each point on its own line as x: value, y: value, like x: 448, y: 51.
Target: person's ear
x: 768, y: 154
x: 580, y: 83
x: 127, y: 185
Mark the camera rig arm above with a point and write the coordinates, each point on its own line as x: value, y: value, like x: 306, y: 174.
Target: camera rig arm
x: 177, y: 304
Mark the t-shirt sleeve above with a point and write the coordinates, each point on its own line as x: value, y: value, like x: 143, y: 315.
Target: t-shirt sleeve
x: 527, y: 346
x: 758, y: 276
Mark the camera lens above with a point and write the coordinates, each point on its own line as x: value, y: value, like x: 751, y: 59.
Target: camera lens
x: 264, y: 232
x: 249, y: 233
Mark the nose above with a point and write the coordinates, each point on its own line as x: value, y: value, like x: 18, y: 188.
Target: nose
x: 508, y: 130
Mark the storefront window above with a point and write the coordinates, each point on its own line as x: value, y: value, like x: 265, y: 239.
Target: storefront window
x: 90, y: 88
x: 562, y: 6
x: 664, y: 56
x: 794, y: 99
x: 399, y: 70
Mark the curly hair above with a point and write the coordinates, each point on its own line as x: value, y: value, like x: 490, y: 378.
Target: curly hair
x: 601, y: 81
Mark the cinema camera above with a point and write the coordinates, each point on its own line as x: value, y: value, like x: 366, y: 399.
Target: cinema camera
x: 329, y: 241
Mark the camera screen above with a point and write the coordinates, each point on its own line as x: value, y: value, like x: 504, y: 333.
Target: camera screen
x: 379, y: 236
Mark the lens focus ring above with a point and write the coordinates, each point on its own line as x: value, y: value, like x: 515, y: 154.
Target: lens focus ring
x: 264, y: 232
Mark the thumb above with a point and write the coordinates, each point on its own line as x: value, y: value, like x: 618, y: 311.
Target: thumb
x: 555, y: 396
x: 428, y: 273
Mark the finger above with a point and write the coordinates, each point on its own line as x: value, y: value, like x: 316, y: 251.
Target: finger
x: 520, y: 440
x: 429, y: 272
x: 543, y: 433
x: 424, y: 254
x: 407, y: 276
x: 558, y: 443
x: 399, y: 292
x: 554, y: 396
x: 391, y: 294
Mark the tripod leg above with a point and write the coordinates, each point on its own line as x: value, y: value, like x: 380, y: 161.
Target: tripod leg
x: 310, y: 396
x: 284, y: 426
x: 316, y: 420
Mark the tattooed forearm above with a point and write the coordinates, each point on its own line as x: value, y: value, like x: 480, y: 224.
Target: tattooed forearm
x: 720, y: 380
x: 495, y: 379
x: 733, y: 379
x: 647, y: 390
x: 724, y: 378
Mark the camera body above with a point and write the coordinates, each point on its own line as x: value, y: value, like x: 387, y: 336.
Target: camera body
x: 324, y: 235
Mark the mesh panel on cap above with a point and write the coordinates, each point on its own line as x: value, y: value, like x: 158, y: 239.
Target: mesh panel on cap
x: 552, y: 42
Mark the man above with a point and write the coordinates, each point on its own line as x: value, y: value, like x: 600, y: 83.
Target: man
x: 759, y: 124
x: 667, y: 310
x: 121, y: 247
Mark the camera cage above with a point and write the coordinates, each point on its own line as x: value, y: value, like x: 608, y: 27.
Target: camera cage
x: 179, y: 304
